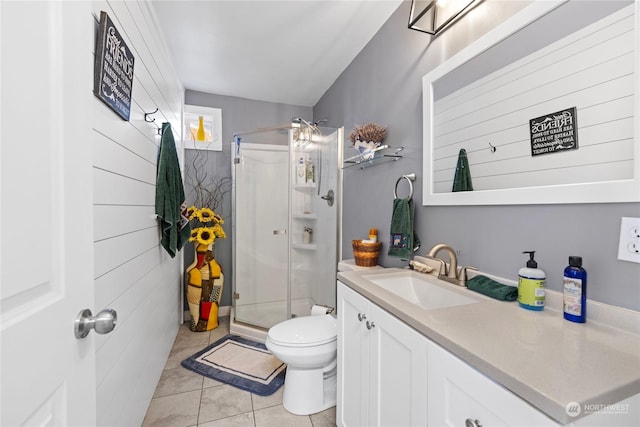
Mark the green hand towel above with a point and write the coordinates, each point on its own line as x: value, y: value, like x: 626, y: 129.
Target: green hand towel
x: 462, y: 178
x: 493, y: 289
x: 403, y: 237
x: 171, y: 206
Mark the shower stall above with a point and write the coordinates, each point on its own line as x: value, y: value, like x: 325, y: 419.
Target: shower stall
x: 287, y: 186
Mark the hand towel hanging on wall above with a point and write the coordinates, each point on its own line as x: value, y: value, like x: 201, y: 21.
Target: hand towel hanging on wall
x: 171, y: 206
x: 403, y: 240
x: 462, y: 178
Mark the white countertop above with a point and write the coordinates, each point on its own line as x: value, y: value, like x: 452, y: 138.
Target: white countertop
x: 539, y: 356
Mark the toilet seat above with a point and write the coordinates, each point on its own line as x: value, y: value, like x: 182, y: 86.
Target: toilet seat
x: 304, y: 331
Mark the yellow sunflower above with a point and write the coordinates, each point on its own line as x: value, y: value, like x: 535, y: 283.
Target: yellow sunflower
x: 206, y: 215
x: 219, y: 231
x: 218, y: 219
x: 205, y: 236
x: 194, y: 234
x: 192, y: 212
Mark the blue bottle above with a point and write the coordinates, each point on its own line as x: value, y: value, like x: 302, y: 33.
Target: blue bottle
x: 575, y: 291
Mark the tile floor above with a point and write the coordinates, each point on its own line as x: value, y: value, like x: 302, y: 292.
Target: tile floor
x: 184, y: 398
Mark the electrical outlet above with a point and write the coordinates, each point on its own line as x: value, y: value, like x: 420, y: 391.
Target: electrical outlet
x: 629, y: 246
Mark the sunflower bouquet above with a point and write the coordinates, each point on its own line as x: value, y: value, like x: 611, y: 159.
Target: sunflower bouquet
x: 206, y: 225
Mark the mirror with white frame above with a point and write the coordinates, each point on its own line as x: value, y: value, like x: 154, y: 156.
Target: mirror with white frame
x: 546, y: 107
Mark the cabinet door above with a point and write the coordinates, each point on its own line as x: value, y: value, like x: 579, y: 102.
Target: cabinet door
x: 353, y: 359
x: 398, y: 369
x: 458, y: 392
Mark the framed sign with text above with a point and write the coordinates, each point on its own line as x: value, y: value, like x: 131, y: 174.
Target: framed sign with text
x: 113, y: 68
x: 555, y: 132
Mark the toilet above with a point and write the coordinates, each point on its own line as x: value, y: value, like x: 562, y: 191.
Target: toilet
x: 308, y: 346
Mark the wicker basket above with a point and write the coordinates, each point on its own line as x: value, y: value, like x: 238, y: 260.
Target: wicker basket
x: 366, y: 254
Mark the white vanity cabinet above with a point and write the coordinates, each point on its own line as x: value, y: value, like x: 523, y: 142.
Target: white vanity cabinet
x: 382, y: 366
x: 391, y: 375
x: 461, y: 396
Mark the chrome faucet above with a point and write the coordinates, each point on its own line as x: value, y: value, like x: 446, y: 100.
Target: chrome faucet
x: 450, y: 274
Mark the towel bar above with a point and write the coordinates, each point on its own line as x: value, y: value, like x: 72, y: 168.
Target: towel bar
x: 410, y: 178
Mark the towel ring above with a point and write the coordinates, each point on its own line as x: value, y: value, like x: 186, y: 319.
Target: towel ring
x: 410, y: 178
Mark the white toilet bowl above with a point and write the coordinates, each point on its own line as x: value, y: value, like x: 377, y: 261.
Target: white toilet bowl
x: 308, y: 346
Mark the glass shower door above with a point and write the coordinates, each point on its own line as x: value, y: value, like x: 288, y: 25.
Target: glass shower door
x: 260, y: 234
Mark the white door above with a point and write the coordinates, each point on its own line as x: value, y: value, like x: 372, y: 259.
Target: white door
x: 47, y: 375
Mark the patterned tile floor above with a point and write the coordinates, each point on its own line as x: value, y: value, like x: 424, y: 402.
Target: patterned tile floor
x: 184, y: 398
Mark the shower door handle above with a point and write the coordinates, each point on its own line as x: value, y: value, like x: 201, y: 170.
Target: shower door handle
x: 280, y: 231
x: 329, y: 197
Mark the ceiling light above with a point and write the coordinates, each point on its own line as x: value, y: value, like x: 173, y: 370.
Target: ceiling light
x: 434, y: 16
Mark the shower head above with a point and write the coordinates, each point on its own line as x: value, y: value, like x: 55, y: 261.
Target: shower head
x: 320, y: 121
x: 301, y: 120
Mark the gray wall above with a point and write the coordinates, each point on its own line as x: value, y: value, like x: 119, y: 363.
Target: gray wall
x: 238, y: 115
x: 384, y: 85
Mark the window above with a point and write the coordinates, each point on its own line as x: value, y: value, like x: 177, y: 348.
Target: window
x: 212, y: 124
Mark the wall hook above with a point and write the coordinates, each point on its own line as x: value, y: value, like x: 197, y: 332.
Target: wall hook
x: 492, y: 148
x: 146, y: 116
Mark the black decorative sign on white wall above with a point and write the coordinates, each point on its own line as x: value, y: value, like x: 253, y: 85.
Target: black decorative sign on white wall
x: 113, y: 69
x: 555, y: 132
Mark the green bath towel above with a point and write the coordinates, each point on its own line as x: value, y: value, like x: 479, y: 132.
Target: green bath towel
x: 462, y: 178
x: 493, y: 289
x: 403, y: 238
x: 171, y: 206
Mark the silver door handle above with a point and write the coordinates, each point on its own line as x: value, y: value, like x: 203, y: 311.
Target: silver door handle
x: 280, y: 231
x: 103, y: 323
x: 329, y: 197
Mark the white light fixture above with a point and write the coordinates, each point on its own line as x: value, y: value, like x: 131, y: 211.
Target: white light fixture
x: 434, y: 16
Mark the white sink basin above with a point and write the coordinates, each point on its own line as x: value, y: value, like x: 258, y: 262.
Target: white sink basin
x: 424, y: 291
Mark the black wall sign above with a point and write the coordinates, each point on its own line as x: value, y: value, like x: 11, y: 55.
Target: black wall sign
x: 555, y: 132
x: 113, y: 69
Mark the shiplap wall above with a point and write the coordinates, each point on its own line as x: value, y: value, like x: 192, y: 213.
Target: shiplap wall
x: 133, y: 273
x: 592, y: 69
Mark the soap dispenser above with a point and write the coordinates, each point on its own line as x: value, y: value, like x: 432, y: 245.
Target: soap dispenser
x: 531, y: 287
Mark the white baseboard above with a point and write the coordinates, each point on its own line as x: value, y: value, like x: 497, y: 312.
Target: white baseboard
x: 224, y: 311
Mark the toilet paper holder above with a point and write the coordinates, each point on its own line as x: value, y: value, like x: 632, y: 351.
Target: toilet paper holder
x: 321, y: 309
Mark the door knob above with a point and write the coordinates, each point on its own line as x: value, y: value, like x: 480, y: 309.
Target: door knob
x: 103, y: 323
x: 361, y: 317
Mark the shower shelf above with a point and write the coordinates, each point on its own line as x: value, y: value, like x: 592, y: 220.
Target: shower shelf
x: 382, y: 154
x: 305, y: 216
x: 304, y: 187
x: 304, y: 246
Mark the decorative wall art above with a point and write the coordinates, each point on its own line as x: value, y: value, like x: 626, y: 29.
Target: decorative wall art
x: 113, y: 69
x: 555, y: 132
